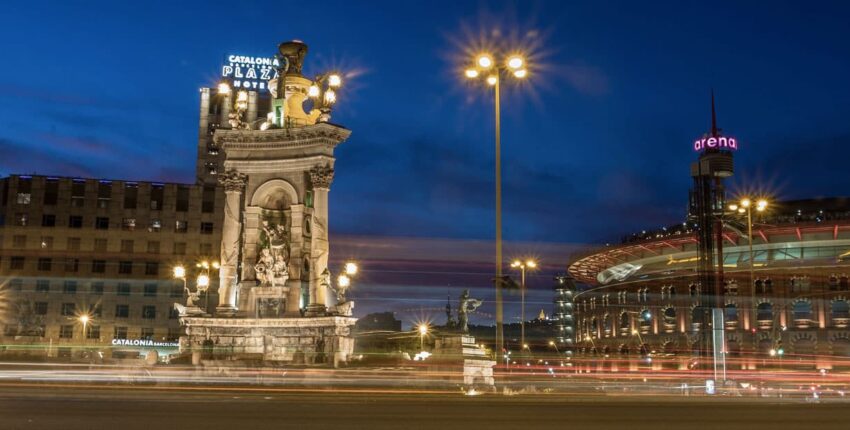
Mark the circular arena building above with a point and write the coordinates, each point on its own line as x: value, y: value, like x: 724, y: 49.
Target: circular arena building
x: 786, y: 297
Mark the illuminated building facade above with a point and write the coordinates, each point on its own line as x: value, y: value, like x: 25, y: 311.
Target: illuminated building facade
x: 645, y: 294
x: 73, y: 249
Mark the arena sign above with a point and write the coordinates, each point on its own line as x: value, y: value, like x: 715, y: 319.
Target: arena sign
x: 720, y: 142
x: 251, y: 73
x: 144, y: 342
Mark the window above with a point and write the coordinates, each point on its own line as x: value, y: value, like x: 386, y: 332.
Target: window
x: 206, y: 228
x: 51, y: 191
x: 125, y: 267
x: 182, y: 198
x: 39, y: 308
x: 46, y: 242
x: 128, y: 224
x: 173, y: 314
x: 155, y: 226
x: 149, y: 312
x: 16, y: 263
x: 150, y: 290
x: 802, y: 310
x: 69, y: 309
x: 45, y: 264
x: 101, y: 223
x: 131, y: 194
x: 66, y: 332
x: 75, y: 221
x: 100, y: 245
x: 208, y: 199
x: 16, y: 284
x: 179, y: 248
x: 181, y: 226
x: 176, y: 292
x: 156, y: 196
x: 120, y: 333
x: 127, y: 246
x: 122, y: 311
x: 92, y: 331
x: 205, y: 249
x: 24, y: 198
x: 48, y: 220
x: 19, y: 241
x: 98, y: 266
x: 21, y: 219
x: 123, y: 289
x: 73, y: 244
x: 96, y: 311
x: 153, y: 247
x: 152, y: 268
x: 72, y: 265
x: 69, y: 287
x: 104, y: 194
x: 42, y: 286
x: 147, y: 333
x: 78, y: 193
x: 96, y: 288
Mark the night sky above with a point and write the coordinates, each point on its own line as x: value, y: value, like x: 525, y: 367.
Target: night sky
x: 596, y: 144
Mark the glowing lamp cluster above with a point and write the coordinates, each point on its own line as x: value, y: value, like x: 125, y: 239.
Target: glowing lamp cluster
x: 350, y: 270
x: 485, y: 65
x: 746, y: 204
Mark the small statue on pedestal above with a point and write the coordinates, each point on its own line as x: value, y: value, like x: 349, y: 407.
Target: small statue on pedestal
x: 466, y: 304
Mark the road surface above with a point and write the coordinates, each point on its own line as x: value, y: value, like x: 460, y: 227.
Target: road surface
x: 122, y: 407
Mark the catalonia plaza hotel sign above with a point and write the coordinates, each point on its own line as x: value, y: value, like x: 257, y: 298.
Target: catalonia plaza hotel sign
x: 250, y: 73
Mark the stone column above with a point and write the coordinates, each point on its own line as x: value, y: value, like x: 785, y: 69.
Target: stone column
x: 251, y: 114
x: 234, y: 183
x: 321, y: 178
x: 224, y: 112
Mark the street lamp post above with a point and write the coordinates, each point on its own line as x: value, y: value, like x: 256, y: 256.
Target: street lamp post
x: 746, y: 206
x: 515, y: 65
x: 528, y: 264
x: 423, y: 330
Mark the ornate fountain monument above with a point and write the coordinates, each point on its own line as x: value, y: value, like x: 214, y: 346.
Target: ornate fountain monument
x: 275, y: 284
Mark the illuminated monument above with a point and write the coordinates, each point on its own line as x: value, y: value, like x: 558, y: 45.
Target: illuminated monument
x: 275, y: 300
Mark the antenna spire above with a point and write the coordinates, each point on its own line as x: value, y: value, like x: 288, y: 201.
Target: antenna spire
x: 713, y: 116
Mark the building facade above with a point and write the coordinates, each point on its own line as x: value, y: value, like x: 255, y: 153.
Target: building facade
x: 787, y: 303
x: 87, y: 263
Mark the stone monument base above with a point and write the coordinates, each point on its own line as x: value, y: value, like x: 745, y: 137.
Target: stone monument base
x: 461, y: 348
x: 319, y: 341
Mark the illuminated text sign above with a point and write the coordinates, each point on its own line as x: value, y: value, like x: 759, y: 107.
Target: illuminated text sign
x: 143, y: 342
x: 721, y: 142
x: 252, y: 73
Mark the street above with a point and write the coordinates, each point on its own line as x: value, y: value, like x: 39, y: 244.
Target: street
x: 67, y: 407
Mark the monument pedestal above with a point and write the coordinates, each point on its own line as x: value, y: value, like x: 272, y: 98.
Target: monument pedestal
x: 462, y: 349
x: 299, y: 341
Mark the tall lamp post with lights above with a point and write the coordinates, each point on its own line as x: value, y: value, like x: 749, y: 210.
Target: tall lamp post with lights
x: 488, y: 66
x: 522, y: 266
x: 746, y: 206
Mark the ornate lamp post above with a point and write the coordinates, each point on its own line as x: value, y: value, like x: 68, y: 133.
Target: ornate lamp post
x: 485, y: 65
x: 522, y: 265
x: 323, y: 93
x: 423, y: 330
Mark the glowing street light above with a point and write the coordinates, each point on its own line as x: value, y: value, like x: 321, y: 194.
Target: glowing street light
x: 513, y: 65
x: 179, y: 272
x: 334, y: 81
x: 224, y: 88
x: 323, y: 92
x: 84, y: 320
x: 423, y: 330
x: 523, y: 265
x: 746, y: 206
x: 343, y: 281
x: 351, y: 268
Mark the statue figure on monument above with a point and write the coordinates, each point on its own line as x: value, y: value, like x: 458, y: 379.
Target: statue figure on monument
x: 466, y: 305
x: 272, y: 267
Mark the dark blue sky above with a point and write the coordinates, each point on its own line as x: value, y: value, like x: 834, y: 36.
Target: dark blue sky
x: 595, y: 146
